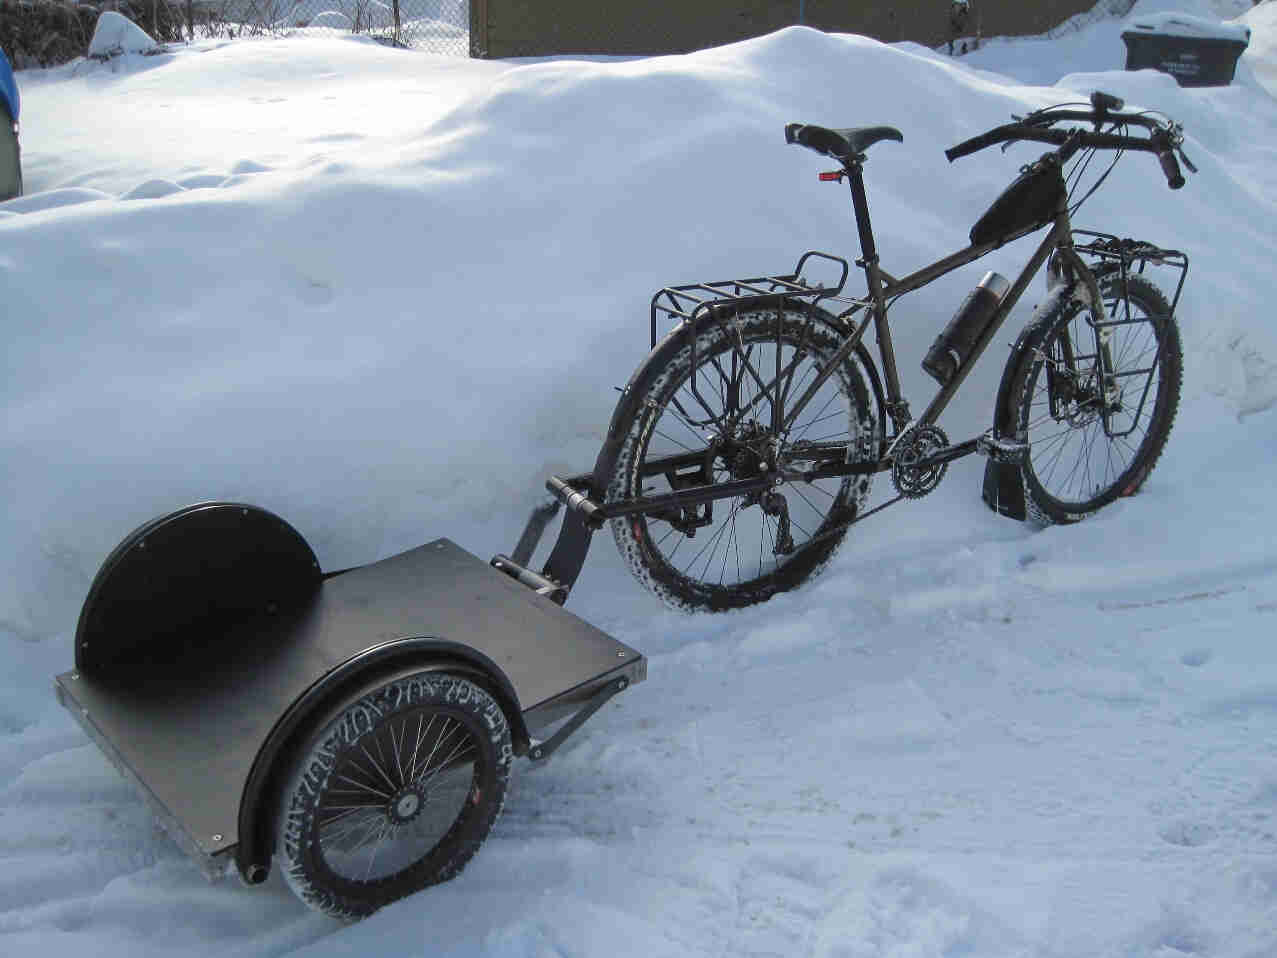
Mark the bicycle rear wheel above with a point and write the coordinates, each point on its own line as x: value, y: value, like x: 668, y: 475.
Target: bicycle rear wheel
x: 704, y: 416
x: 1093, y: 438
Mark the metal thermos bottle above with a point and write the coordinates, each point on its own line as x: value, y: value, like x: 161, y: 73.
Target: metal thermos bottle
x: 952, y: 347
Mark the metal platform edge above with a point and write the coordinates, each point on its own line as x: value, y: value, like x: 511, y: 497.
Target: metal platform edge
x: 215, y: 865
x: 541, y: 716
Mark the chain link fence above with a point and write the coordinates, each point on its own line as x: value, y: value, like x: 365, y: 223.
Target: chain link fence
x: 433, y: 26
x: 1104, y: 10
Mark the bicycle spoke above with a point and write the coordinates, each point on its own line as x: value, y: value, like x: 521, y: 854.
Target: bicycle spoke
x: 799, y: 493
x: 806, y: 426
x: 809, y: 425
x: 794, y: 522
x: 713, y: 539
x: 363, y: 786
x: 368, y: 755
x: 665, y: 435
x: 822, y: 491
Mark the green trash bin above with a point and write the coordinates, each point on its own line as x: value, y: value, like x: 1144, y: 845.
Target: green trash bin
x: 1194, y: 50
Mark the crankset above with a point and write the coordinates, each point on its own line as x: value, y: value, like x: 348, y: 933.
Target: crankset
x: 914, y: 472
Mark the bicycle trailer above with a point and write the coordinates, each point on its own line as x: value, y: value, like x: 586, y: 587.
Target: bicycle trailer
x: 211, y: 649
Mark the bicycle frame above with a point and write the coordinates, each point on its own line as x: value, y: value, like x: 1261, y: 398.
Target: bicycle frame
x: 583, y: 495
x: 883, y: 286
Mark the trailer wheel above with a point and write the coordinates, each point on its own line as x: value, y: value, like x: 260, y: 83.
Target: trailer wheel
x: 395, y: 792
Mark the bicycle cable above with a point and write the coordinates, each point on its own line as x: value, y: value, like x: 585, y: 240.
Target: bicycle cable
x: 1077, y: 172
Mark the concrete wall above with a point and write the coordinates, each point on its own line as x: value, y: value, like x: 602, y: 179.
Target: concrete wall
x: 511, y: 28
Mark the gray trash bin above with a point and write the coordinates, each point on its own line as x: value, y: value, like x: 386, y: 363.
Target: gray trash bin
x: 10, y: 107
x: 10, y: 167
x: 1194, y: 50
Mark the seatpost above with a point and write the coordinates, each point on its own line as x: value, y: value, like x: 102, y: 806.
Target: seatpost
x: 861, y: 205
x: 873, y: 277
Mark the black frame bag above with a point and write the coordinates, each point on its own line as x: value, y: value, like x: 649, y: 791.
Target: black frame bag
x: 1031, y: 201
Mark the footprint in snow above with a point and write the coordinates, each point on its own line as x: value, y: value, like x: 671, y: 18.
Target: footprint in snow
x: 201, y: 181
x: 11, y: 723
x: 1186, y: 834
x: 153, y: 190
x: 249, y: 166
x: 1195, y: 658
x: 242, y: 172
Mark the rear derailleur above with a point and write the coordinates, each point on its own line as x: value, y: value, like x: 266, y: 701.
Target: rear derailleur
x: 755, y: 452
x: 774, y: 504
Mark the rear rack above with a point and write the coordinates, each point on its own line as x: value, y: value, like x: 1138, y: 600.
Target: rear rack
x: 585, y: 509
x: 688, y: 303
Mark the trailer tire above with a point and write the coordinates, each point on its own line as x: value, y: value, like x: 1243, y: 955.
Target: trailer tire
x: 396, y: 791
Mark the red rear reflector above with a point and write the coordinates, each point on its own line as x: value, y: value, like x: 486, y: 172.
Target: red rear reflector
x: 831, y: 177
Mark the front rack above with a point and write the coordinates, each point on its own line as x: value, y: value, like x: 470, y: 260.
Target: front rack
x: 688, y: 303
x: 1128, y: 253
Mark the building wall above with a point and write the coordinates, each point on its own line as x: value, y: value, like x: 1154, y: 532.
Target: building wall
x: 511, y: 28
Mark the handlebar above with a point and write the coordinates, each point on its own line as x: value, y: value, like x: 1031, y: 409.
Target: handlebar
x: 1034, y: 127
x: 1020, y: 131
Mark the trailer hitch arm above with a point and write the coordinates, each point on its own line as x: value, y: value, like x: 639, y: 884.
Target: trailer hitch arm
x: 540, y: 751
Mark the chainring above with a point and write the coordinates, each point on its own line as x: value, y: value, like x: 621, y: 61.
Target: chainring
x: 918, y: 443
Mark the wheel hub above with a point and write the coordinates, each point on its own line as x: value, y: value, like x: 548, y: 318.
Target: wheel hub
x: 406, y: 805
x: 1080, y: 404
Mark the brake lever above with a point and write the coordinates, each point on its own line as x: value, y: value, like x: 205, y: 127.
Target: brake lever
x: 1176, y: 132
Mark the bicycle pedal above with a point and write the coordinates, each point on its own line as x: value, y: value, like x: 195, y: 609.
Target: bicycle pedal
x: 1003, y: 450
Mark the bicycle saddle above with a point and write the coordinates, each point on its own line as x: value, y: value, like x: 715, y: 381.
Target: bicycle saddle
x: 844, y: 145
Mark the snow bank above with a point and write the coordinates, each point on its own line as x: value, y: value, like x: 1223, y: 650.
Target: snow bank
x: 1260, y: 57
x: 1184, y: 25
x: 116, y: 34
x: 383, y: 294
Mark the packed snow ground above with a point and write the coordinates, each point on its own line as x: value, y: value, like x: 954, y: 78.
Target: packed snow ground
x: 384, y: 294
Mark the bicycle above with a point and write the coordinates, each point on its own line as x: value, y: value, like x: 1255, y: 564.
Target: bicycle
x: 765, y: 404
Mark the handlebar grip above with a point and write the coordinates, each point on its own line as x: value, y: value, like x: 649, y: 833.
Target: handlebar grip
x: 973, y: 145
x: 1170, y: 167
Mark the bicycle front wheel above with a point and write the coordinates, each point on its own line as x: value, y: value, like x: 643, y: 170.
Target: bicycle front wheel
x: 705, y: 413
x: 1095, y: 425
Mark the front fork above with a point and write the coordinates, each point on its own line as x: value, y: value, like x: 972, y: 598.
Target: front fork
x: 1065, y: 265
